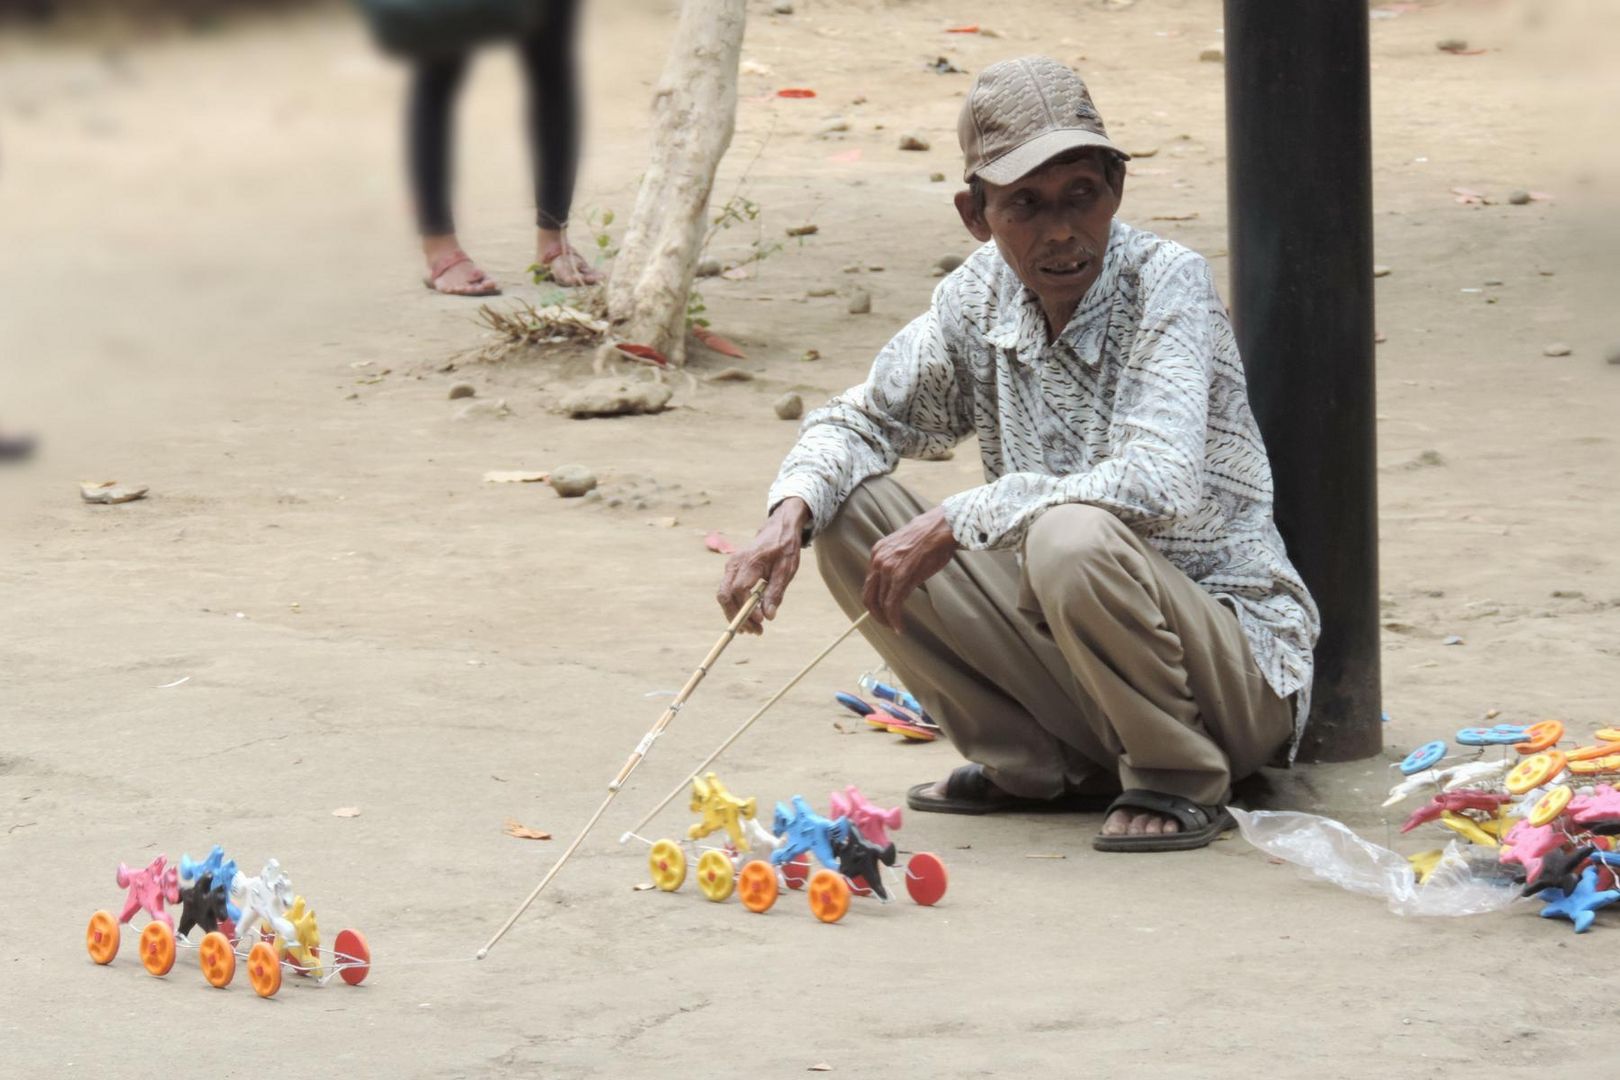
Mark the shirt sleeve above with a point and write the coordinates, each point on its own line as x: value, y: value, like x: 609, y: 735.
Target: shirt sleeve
x: 1154, y: 469
x: 910, y: 406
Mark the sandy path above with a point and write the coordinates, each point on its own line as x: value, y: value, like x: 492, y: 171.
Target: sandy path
x: 205, y: 239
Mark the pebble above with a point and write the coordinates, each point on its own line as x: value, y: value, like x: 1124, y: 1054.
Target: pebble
x: 789, y: 406
x: 731, y: 374
x: 463, y: 389
x: 1452, y: 45
x: 1519, y: 197
x: 860, y: 302
x: 1380, y: 270
x: 572, y: 481
x: 1557, y: 348
x: 1213, y: 55
x: 853, y: 268
x: 936, y: 178
x: 616, y: 397
x: 709, y: 268
x: 913, y: 142
x: 781, y: 7
x: 820, y: 291
x: 833, y: 126
x: 484, y: 410
x: 1568, y: 594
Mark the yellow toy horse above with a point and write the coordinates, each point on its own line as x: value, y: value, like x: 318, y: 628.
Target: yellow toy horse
x: 721, y: 810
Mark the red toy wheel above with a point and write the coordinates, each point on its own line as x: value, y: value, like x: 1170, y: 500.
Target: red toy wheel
x: 796, y: 871
x: 926, y: 878
x: 352, y: 955
x: 101, y: 937
x: 859, y: 887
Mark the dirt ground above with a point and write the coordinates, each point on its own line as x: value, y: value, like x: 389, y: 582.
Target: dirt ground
x: 209, y: 287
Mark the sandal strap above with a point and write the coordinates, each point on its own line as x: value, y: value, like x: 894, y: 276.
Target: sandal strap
x: 1191, y: 815
x: 967, y: 782
x: 446, y: 263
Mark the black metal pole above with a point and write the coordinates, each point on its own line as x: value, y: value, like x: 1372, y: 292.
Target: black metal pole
x: 1299, y: 189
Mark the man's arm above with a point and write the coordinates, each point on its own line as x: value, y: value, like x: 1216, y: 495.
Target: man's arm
x: 1154, y: 469
x: 910, y: 405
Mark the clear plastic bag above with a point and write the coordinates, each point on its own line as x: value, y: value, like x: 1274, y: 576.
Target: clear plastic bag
x: 1329, y: 850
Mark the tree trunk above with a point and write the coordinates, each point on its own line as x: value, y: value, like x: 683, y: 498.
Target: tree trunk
x: 694, y: 110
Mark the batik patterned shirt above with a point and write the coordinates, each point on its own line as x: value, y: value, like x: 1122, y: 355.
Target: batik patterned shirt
x: 1139, y: 406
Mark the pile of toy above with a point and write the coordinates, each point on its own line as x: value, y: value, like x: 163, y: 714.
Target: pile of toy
x: 853, y: 845
x: 894, y: 711
x: 257, y: 920
x: 1551, y: 814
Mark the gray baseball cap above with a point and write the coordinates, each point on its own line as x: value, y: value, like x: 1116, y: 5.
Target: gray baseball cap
x: 1021, y: 114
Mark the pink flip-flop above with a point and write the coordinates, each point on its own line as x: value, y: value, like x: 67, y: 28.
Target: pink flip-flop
x: 448, y: 262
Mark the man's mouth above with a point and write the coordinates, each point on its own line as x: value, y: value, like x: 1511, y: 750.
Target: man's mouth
x: 1071, y: 268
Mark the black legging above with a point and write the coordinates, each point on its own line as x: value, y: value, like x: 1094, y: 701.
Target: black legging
x: 553, y: 108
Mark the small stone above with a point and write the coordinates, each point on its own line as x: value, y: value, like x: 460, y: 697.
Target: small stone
x: 833, y: 126
x: 804, y: 230
x: 709, y: 268
x: 572, y: 481
x: 820, y: 291
x: 781, y: 7
x: 1494, y: 282
x: 615, y: 502
x: 1213, y: 55
x: 789, y: 406
x: 1426, y: 459
x: 616, y: 397
x: 1557, y: 348
x: 1568, y: 594
x: 463, y: 389
x: 936, y: 178
x: 484, y: 410
x: 853, y: 268
x: 913, y: 142
x: 860, y: 302
x: 947, y: 263
x: 1519, y: 197
x: 1452, y: 639
x: 731, y: 374
x: 594, y: 495
x: 1452, y: 45
x: 1380, y: 270
x: 874, y: 268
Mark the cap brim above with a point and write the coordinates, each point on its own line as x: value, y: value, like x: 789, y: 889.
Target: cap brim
x: 1024, y: 159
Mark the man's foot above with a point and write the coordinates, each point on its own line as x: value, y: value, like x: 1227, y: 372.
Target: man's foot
x: 967, y: 790
x: 1152, y: 821
x: 452, y: 271
x: 563, y: 263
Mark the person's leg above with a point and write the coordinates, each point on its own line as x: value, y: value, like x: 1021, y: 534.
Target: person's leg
x: 979, y: 667
x: 1182, y: 705
x: 429, y: 131
x: 550, y: 72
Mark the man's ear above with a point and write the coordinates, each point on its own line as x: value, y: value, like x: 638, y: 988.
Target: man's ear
x: 972, y: 216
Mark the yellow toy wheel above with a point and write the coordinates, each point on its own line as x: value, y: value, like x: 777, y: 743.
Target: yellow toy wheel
x: 101, y: 937
x: 1550, y: 805
x: 1607, y: 734
x: 264, y: 970
x: 829, y: 895
x: 757, y: 886
x: 716, y: 877
x: 1534, y: 771
x: 1594, y: 766
x: 157, y: 948
x: 1541, y: 736
x: 217, y: 959
x: 668, y: 865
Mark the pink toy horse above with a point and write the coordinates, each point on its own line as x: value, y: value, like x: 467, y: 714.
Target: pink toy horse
x: 873, y: 821
x: 148, y: 889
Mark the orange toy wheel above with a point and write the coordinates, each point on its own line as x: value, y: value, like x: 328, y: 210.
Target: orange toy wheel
x: 926, y: 878
x: 829, y: 895
x: 101, y: 937
x: 796, y: 871
x: 756, y: 886
x: 352, y: 955
x: 217, y: 959
x: 264, y: 970
x: 1597, y: 750
x: 157, y: 948
x: 1541, y: 736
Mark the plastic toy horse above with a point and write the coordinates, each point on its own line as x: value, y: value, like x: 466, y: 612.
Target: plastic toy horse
x: 264, y: 899
x: 858, y: 860
x: 203, y: 903
x: 721, y: 810
x: 148, y: 889
x: 303, y: 948
x: 873, y: 821
x: 802, y: 829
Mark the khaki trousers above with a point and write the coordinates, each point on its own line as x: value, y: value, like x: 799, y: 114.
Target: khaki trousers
x: 1095, y: 665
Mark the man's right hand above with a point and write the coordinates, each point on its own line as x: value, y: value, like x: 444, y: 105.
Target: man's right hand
x: 774, y: 556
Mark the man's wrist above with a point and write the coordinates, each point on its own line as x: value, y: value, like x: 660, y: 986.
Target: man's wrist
x: 794, y: 513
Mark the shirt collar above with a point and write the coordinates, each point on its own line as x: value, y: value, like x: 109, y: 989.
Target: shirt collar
x: 1022, y: 326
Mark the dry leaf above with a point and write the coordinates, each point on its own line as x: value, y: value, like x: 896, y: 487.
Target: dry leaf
x: 645, y: 353
x: 804, y: 230
x: 796, y: 92
x: 346, y: 811
x: 503, y: 477
x: 723, y: 346
x: 716, y: 542
x: 820, y: 1066
x: 523, y: 832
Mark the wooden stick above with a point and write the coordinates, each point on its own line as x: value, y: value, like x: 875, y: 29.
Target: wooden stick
x: 746, y: 724
x: 635, y: 759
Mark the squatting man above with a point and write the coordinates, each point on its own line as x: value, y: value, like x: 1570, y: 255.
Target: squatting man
x: 1110, y: 621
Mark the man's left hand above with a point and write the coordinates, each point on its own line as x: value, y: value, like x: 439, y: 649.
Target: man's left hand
x: 904, y: 560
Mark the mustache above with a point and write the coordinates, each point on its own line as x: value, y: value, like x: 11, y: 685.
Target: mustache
x: 1079, y: 253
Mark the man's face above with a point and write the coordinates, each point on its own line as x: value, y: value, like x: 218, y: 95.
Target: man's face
x: 1051, y: 226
